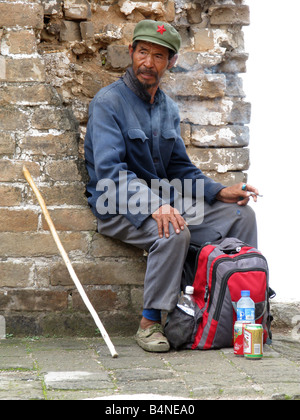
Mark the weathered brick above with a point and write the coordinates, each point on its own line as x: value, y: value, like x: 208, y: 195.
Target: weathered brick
x: 19, y: 42
x: 103, y: 246
x: 52, y: 8
x: 77, y: 9
x: 70, y: 31
x: 50, y: 145
x: 7, y: 143
x: 18, y: 220
x: 23, y: 70
x: 125, y: 271
x: 227, y: 136
x: 13, y: 119
x: 45, y: 118
x: 220, y: 160
x: 234, y: 62
x: 72, y: 219
x: 195, y: 84
x: 215, y: 112
x: 63, y: 170
x: 22, y: 15
x: 102, y: 300
x: 227, y: 178
x: 10, y: 195
x: 203, y: 39
x: 229, y: 15
x: 19, y: 244
x: 12, y: 170
x: 57, y: 195
x: 36, y: 94
x: 118, y: 57
x: 86, y: 30
x: 15, y: 274
x: 34, y: 300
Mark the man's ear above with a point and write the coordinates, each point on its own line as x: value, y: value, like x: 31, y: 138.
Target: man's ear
x: 130, y: 49
x: 172, y: 62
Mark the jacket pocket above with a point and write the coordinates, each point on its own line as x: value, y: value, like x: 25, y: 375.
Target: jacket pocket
x: 136, y: 133
x: 169, y: 134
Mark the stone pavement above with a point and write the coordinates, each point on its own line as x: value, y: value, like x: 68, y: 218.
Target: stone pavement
x: 37, y: 368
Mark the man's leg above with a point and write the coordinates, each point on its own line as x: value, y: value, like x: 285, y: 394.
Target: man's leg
x: 222, y: 220
x: 166, y: 257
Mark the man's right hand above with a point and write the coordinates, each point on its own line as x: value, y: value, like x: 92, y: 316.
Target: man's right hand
x: 167, y: 214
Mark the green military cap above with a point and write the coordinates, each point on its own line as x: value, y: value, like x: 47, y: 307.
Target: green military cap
x: 157, y: 32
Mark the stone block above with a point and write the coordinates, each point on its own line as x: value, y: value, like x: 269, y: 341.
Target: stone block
x: 50, y: 145
x: 70, y: 31
x: 33, y: 94
x: 46, y: 118
x: 203, y: 39
x: 7, y: 143
x: 19, y: 42
x: 14, y: 119
x: 77, y: 9
x: 71, y: 220
x: 113, y: 271
x: 103, y: 246
x: 220, y: 160
x: 34, y: 300
x: 41, y: 244
x: 118, y: 56
x: 10, y: 195
x: 86, y: 30
x: 229, y: 15
x: 52, y: 7
x: 233, y: 62
x: 23, y: 70
x: 15, y: 274
x: 12, y: 170
x: 18, y: 220
x: 63, y: 170
x: 21, y: 15
x: 193, y: 13
x: 215, y: 112
x: 226, y: 136
x: 60, y: 195
x: 195, y: 84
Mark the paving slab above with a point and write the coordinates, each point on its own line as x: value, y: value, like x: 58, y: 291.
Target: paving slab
x: 70, y: 368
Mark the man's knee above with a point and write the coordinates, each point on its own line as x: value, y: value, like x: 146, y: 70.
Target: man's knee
x: 182, y: 239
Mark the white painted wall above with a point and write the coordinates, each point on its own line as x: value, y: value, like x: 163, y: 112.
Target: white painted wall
x: 272, y: 85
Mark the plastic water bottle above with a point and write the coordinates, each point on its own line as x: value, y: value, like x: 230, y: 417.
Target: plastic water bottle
x: 186, y: 301
x: 246, y: 308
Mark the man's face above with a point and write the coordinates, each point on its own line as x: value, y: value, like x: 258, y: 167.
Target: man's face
x: 149, y: 62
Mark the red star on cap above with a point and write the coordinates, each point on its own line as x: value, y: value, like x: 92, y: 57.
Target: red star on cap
x: 161, y: 29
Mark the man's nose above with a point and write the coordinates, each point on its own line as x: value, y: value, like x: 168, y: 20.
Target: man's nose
x: 149, y: 61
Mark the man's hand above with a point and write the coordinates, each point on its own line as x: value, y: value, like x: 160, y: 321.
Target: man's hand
x: 236, y: 194
x: 167, y: 214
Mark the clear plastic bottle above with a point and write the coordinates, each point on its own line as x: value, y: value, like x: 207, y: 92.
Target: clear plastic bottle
x: 246, y: 308
x: 186, y: 301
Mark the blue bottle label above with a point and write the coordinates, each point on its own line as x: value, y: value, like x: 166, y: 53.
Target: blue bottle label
x: 245, y: 314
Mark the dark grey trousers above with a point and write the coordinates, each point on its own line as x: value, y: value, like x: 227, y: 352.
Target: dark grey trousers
x: 166, y: 256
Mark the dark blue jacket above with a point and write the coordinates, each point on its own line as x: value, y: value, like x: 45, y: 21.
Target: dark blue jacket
x: 142, y: 141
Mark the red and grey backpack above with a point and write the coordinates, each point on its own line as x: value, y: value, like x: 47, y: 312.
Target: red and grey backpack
x: 219, y: 272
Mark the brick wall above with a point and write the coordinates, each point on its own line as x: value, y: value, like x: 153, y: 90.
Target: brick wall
x: 54, y: 57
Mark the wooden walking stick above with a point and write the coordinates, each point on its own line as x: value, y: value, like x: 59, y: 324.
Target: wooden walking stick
x: 68, y: 263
